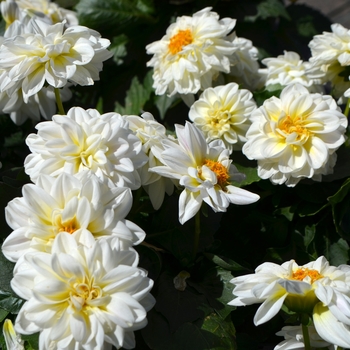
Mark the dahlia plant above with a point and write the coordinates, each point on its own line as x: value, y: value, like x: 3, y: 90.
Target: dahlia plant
x: 174, y: 176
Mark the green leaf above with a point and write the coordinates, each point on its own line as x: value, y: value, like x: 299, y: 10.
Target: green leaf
x: 31, y: 341
x: 339, y: 253
x: 250, y: 173
x: 113, y: 16
x: 309, y: 235
x: 6, y: 275
x: 118, y: 47
x: 10, y: 303
x: 164, y: 102
x: 225, y: 263
x: 3, y: 314
x: 224, y: 330
x: 305, y: 26
x: 262, y: 95
x: 226, y: 295
x: 136, y: 96
x: 269, y: 8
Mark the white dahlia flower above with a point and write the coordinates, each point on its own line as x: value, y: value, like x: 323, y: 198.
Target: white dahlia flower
x: 82, y: 297
x: 41, y: 104
x: 223, y: 113
x: 329, y: 47
x: 330, y: 54
x: 192, y: 53
x: 151, y: 133
x: 294, y: 339
x: 290, y: 69
x: 12, y: 10
x: 51, y: 54
x: 84, y: 140
x: 295, y: 136
x: 317, y: 289
x: 245, y: 70
x: 83, y: 207
x: 204, y: 171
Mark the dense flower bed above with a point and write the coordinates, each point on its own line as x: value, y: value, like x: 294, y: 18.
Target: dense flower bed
x: 174, y: 175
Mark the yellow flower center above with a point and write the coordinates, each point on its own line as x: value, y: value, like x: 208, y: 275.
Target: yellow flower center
x: 303, y: 272
x: 84, y: 292
x: 220, y: 170
x: 179, y: 40
x: 291, y: 125
x: 303, y: 303
x: 69, y: 226
x: 219, y: 121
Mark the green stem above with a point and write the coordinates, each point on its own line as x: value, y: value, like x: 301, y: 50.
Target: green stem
x: 59, y: 102
x: 197, y: 232
x: 306, y: 337
x: 347, y: 107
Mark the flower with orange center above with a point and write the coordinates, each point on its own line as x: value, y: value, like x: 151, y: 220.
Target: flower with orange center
x: 204, y: 171
x: 295, y: 136
x: 316, y: 289
x: 179, y: 40
x: 192, y: 53
x: 84, y: 207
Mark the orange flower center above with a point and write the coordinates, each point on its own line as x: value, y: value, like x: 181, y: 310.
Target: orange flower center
x: 220, y: 170
x: 303, y: 272
x: 179, y: 40
x: 294, y: 125
x: 70, y: 226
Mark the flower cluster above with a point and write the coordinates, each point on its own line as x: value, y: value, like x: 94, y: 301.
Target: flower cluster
x: 71, y: 242
x: 75, y: 229
x: 317, y: 289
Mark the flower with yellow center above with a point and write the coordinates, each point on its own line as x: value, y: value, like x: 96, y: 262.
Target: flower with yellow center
x: 85, y: 141
x: 203, y: 170
x: 82, y: 297
x: 85, y: 208
x: 18, y: 9
x: 295, y: 136
x: 224, y: 113
x: 192, y: 53
x: 316, y: 289
x: 42, y: 53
